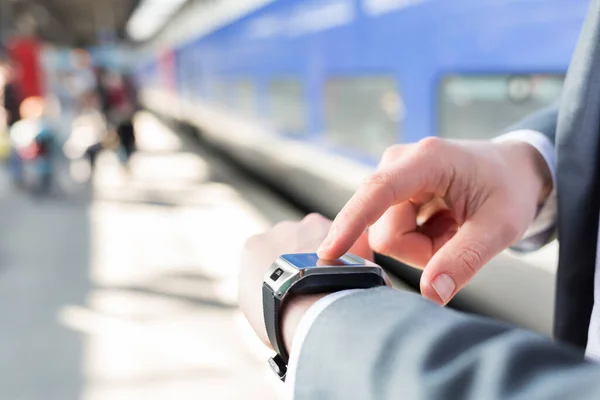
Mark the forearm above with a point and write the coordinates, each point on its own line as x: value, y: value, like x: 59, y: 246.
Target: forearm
x: 293, y: 311
x: 386, y: 344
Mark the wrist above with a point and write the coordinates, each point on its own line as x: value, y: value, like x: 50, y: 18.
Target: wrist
x: 292, y: 312
x: 531, y: 160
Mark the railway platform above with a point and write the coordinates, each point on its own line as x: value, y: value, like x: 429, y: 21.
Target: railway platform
x: 127, y: 290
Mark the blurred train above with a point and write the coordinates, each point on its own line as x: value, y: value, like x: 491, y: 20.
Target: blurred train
x: 308, y: 93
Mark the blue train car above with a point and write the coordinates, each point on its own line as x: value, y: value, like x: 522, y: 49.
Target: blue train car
x: 309, y: 93
x: 358, y: 76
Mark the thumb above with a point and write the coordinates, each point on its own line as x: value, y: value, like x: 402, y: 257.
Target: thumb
x: 478, y: 240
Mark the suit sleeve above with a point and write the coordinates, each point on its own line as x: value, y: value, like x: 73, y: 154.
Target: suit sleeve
x: 385, y: 344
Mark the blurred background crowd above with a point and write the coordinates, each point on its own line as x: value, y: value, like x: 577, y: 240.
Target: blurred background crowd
x: 53, y: 114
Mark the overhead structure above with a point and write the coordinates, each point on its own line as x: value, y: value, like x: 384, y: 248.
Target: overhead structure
x: 69, y: 22
x: 150, y: 16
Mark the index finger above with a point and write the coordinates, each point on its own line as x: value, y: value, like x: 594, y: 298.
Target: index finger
x: 385, y: 188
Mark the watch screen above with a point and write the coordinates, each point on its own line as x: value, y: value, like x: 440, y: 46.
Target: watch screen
x: 311, y: 260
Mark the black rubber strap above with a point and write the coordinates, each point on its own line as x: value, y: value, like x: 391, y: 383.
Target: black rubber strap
x: 310, y: 284
x: 271, y: 310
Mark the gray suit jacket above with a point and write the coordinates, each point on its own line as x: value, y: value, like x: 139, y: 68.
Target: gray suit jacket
x: 574, y: 128
x: 386, y: 344
x: 383, y: 344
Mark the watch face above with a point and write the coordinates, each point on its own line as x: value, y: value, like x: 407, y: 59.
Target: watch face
x: 311, y: 260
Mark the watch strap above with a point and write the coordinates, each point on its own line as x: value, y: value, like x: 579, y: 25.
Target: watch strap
x: 272, y: 311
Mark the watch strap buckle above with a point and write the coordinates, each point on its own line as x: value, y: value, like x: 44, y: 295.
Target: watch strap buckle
x: 279, y: 366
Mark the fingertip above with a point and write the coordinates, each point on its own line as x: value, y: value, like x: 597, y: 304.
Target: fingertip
x: 322, y: 253
x: 325, y: 252
x: 324, y: 249
x: 329, y: 247
x: 444, y: 286
x: 430, y: 293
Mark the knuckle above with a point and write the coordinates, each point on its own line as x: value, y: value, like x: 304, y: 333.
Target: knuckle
x: 431, y: 144
x: 316, y: 221
x: 313, y: 218
x: 380, y: 185
x: 439, y: 160
x: 471, y: 258
x: 380, y: 178
x: 391, y: 153
x: 283, y: 226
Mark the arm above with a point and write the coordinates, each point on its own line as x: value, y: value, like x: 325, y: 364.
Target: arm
x: 385, y: 344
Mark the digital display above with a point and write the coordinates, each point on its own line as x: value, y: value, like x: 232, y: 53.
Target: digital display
x: 310, y: 260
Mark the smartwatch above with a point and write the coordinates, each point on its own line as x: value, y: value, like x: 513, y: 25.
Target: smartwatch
x: 293, y: 274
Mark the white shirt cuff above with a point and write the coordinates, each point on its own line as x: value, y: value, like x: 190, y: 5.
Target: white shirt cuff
x: 546, y: 217
x: 302, y: 331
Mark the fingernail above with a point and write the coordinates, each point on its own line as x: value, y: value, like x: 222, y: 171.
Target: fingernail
x: 444, y: 285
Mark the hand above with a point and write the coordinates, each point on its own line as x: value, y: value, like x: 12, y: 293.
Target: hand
x: 262, y: 250
x: 445, y: 206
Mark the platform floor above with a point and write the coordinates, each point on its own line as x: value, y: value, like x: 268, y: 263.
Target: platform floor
x: 127, y: 290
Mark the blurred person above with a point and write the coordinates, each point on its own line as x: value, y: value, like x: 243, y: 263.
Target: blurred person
x: 448, y: 207
x: 64, y: 107
x: 11, y: 99
x: 33, y: 140
x: 126, y: 132
x: 125, y: 111
x: 63, y: 91
x: 116, y: 97
x: 83, y: 80
x: 131, y: 91
x: 88, y: 133
x: 102, y: 90
x: 119, y: 107
x: 25, y: 52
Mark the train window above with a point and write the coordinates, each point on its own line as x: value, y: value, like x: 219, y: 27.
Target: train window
x: 363, y: 113
x: 287, y: 108
x: 244, y: 98
x: 183, y: 77
x: 480, y: 107
x: 219, y: 92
